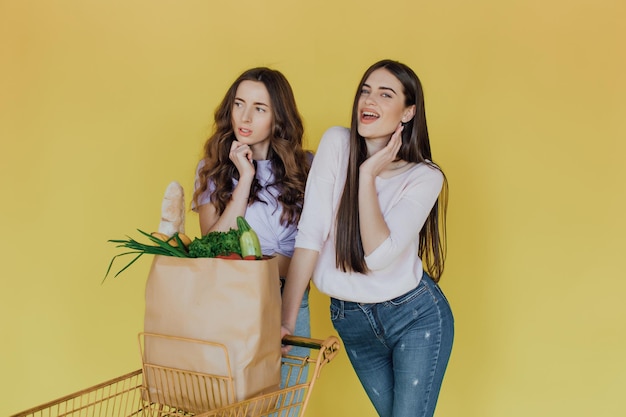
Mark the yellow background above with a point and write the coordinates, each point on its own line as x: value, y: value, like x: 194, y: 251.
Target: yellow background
x: 103, y: 103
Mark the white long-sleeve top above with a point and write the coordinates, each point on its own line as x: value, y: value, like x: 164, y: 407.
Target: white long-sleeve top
x: 405, y: 200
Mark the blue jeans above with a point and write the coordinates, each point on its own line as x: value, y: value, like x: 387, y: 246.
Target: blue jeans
x: 399, y: 348
x: 303, y: 328
x: 289, y: 379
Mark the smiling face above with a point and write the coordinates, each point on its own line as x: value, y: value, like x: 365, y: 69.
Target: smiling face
x: 252, y: 117
x: 381, y: 105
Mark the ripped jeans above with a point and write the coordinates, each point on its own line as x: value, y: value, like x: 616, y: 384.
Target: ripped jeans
x: 399, y: 348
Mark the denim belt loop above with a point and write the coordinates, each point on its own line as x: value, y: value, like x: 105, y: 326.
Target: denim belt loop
x: 340, y: 306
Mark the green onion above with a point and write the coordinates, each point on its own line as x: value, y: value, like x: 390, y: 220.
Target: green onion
x: 139, y: 249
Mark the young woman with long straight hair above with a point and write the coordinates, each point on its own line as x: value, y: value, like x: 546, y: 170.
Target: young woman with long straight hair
x: 372, y: 236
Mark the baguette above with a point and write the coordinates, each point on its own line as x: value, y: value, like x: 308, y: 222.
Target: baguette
x: 173, y: 210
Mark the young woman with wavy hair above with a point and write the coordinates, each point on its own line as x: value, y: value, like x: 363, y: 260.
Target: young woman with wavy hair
x: 254, y: 166
x: 372, y: 236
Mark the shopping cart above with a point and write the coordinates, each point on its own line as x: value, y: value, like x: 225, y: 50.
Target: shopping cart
x: 151, y: 391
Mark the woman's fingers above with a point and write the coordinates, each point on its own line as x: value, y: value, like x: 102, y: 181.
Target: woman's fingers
x: 283, y: 332
x: 377, y: 162
x: 241, y: 155
x: 396, y: 141
x: 240, y: 150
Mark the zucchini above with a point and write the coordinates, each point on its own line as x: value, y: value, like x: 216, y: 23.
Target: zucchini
x: 250, y: 245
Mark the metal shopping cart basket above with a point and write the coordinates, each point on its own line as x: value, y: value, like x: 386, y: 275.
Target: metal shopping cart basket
x: 128, y: 395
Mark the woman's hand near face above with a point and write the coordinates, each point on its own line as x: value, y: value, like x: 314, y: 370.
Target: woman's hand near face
x: 241, y: 155
x: 210, y: 220
x: 374, y: 229
x: 377, y: 162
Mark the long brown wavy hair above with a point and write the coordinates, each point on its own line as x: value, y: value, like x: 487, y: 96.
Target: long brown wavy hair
x: 290, y: 162
x: 415, y: 148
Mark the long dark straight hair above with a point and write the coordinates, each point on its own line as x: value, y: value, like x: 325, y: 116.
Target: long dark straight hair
x: 290, y: 162
x: 415, y: 148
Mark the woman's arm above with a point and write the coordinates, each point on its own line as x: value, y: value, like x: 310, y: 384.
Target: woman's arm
x: 385, y: 238
x: 315, y: 223
x: 300, y: 271
x: 210, y: 220
x: 374, y: 229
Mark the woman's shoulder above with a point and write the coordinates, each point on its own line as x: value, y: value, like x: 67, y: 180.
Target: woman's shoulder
x: 201, y: 163
x: 337, y: 132
x: 336, y: 137
x: 427, y: 171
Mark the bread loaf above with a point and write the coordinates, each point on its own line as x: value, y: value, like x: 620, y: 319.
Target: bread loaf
x: 173, y: 210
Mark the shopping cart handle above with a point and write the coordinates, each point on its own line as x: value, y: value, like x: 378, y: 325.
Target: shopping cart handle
x: 328, y: 348
x: 302, y: 342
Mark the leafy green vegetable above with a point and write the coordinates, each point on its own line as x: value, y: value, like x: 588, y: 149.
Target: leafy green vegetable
x: 211, y: 245
x: 216, y: 243
x: 138, y: 248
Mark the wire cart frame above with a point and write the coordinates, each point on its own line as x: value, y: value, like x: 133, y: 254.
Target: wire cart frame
x: 200, y: 394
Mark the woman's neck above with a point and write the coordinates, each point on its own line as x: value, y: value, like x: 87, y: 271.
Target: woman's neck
x: 375, y: 145
x: 260, y: 151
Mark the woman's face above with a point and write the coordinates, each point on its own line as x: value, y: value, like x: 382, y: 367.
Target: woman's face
x: 252, y: 115
x: 381, y: 105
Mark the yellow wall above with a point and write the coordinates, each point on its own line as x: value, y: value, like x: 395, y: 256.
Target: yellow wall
x: 103, y: 103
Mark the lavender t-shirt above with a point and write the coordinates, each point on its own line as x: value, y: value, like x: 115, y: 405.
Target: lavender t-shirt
x: 263, y: 216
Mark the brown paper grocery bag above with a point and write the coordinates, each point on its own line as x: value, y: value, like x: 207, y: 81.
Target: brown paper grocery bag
x: 232, y: 302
